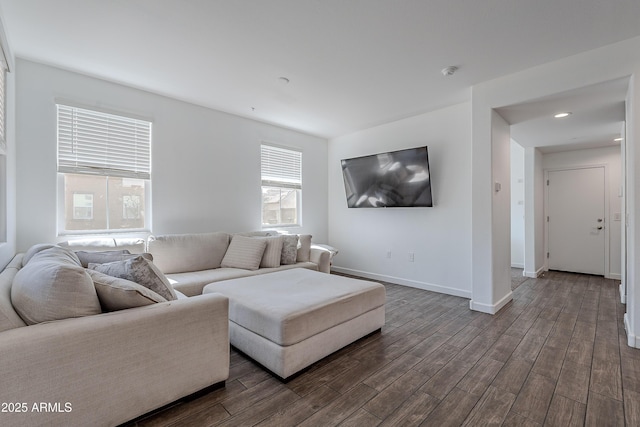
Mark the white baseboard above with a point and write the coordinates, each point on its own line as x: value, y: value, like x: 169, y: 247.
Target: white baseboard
x: 491, y: 308
x: 623, y: 296
x: 533, y: 274
x: 614, y: 276
x: 517, y: 265
x: 405, y: 282
x: 632, y: 340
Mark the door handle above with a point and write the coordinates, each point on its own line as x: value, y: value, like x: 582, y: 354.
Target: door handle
x: 600, y: 228
x: 599, y: 219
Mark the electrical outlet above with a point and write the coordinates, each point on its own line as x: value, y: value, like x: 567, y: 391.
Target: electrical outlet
x: 388, y: 254
x: 411, y: 257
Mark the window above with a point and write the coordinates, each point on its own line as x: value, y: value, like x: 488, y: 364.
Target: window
x: 281, y: 171
x: 104, y: 163
x: 82, y: 206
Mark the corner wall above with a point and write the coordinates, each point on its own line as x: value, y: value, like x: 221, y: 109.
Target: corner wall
x: 440, y: 237
x: 205, y: 163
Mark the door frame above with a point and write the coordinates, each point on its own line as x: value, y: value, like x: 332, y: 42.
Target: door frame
x: 606, y: 218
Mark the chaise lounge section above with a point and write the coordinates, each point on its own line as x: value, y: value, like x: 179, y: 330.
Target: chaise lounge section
x: 288, y: 320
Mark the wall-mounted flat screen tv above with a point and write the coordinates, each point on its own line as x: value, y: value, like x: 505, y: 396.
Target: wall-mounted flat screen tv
x: 388, y: 180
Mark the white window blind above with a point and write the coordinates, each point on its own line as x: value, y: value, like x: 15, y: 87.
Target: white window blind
x: 97, y: 143
x: 281, y: 167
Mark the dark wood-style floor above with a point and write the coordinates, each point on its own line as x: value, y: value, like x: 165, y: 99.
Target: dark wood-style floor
x: 556, y: 356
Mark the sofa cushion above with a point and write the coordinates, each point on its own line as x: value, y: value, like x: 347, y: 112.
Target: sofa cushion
x: 289, y: 249
x: 52, y: 286
x: 90, y: 244
x: 9, y: 319
x: 103, y: 257
x: 141, y: 271
x: 304, y: 249
x: 272, y: 252
x: 34, y: 250
x: 244, y: 252
x: 119, y: 294
x: 191, y: 283
x: 177, y: 253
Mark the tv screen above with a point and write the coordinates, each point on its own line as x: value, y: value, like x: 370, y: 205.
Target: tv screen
x: 388, y: 180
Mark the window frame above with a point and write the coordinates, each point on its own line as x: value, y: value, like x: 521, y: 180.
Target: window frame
x: 284, y: 184
x: 62, y: 196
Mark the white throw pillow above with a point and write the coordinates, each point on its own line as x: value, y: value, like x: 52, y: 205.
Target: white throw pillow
x: 272, y: 253
x: 53, y: 286
x: 304, y: 248
x: 244, y: 252
x: 119, y: 294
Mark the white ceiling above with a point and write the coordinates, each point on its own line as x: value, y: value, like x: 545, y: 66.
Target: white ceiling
x: 352, y: 64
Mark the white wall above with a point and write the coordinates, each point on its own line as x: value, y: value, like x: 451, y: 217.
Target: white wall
x: 440, y: 237
x: 8, y: 180
x: 205, y: 163
x: 534, y: 255
x: 610, y: 157
x: 517, y: 205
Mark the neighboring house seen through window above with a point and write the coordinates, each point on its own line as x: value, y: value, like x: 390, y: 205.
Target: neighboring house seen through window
x: 104, y: 163
x: 281, y: 170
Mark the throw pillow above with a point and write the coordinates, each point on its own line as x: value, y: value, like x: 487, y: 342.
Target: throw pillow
x: 304, y: 249
x: 34, y: 250
x: 101, y: 257
x: 104, y: 257
x: 244, y: 252
x: 140, y: 271
x: 272, y: 253
x: 289, y: 249
x: 119, y: 294
x: 53, y: 286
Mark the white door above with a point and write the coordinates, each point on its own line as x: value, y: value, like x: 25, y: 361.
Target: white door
x: 576, y: 220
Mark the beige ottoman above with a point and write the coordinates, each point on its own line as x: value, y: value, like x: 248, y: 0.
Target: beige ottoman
x: 289, y: 319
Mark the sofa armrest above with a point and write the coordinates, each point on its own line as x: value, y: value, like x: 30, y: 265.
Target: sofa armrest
x: 322, y: 257
x: 110, y: 368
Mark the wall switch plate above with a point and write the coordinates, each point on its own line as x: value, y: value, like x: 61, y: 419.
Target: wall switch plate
x: 388, y: 254
x: 411, y: 257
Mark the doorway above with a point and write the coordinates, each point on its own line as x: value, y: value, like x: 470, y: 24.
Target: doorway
x: 575, y: 219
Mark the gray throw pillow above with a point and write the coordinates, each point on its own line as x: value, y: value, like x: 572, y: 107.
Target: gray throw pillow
x: 289, y: 249
x: 140, y: 271
x: 119, y: 294
x: 53, y: 286
x: 103, y: 257
x: 244, y: 252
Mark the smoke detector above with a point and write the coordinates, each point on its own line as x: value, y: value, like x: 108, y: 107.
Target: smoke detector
x: 448, y: 71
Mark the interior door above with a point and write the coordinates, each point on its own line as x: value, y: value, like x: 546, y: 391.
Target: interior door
x: 576, y: 221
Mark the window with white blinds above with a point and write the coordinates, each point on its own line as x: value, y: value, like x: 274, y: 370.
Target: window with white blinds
x: 97, y: 143
x: 104, y: 164
x: 281, y: 172
x: 281, y: 167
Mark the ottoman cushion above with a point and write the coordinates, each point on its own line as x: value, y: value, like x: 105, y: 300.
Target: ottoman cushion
x: 287, y: 307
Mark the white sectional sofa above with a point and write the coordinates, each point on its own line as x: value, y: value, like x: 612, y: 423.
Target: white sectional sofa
x: 192, y: 261
x: 106, y: 369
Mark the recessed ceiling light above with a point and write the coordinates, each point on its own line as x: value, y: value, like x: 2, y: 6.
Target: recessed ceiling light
x: 562, y: 115
x: 617, y: 139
